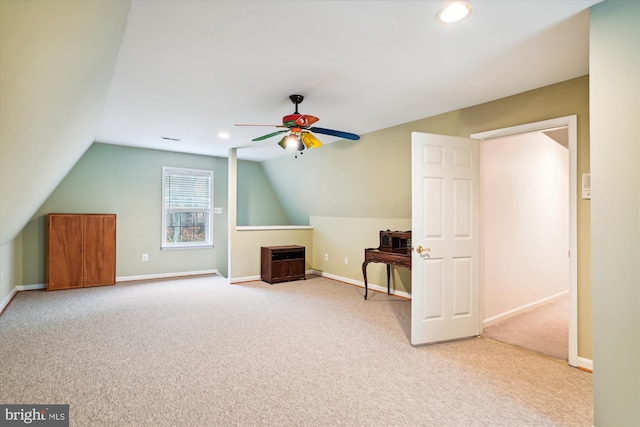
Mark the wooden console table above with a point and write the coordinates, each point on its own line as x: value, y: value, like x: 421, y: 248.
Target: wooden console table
x: 394, y: 249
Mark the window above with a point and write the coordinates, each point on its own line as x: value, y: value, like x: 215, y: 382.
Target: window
x: 187, y: 206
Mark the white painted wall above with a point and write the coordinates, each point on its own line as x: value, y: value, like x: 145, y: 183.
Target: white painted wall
x: 525, y: 208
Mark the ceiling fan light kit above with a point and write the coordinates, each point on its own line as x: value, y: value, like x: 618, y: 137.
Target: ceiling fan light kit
x: 299, y: 126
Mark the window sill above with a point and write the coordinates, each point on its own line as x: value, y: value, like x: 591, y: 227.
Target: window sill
x: 179, y: 248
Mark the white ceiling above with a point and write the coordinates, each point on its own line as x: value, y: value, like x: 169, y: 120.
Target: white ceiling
x: 192, y: 69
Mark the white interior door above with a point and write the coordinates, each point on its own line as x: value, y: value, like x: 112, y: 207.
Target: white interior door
x: 445, y: 270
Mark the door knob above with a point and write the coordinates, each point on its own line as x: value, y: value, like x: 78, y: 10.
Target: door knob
x: 420, y: 249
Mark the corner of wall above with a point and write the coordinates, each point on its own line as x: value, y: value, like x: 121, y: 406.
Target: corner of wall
x: 10, y: 270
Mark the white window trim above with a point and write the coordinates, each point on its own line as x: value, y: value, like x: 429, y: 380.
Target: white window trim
x: 187, y: 245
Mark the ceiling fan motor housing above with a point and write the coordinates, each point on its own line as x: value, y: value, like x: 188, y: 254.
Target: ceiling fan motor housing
x: 296, y: 99
x: 299, y: 120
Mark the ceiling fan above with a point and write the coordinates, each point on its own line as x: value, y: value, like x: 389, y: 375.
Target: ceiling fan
x: 299, y: 126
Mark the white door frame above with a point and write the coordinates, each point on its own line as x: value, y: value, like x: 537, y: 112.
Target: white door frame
x: 571, y: 123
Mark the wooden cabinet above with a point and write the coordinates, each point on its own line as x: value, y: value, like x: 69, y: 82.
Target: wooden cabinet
x: 282, y: 263
x: 82, y: 250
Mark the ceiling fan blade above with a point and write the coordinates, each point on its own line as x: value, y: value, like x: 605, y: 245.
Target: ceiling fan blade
x: 310, y: 141
x: 338, y: 133
x: 269, y: 135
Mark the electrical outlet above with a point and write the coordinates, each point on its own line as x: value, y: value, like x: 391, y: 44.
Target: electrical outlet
x: 145, y: 257
x: 326, y: 257
x: 346, y: 260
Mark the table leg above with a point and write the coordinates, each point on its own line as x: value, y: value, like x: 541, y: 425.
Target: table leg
x: 364, y: 273
x: 388, y: 276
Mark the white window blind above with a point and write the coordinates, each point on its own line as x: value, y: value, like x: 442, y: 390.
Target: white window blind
x: 187, y: 220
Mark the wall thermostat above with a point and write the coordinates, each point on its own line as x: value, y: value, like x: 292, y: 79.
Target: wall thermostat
x: 586, y: 186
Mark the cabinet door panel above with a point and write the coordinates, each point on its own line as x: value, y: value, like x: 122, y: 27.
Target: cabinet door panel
x: 297, y: 267
x: 99, y: 250
x: 279, y: 270
x: 65, y: 252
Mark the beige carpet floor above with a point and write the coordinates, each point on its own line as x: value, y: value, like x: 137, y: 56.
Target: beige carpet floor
x: 202, y: 352
x: 544, y: 330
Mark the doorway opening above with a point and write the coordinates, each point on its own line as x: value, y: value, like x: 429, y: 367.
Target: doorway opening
x: 525, y: 229
x: 529, y: 242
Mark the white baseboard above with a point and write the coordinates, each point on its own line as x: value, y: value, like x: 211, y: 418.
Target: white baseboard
x: 164, y: 275
x: 369, y: 285
x: 585, y: 363
x: 17, y: 289
x: 244, y: 279
x: 31, y: 287
x: 7, y: 300
x: 519, y: 310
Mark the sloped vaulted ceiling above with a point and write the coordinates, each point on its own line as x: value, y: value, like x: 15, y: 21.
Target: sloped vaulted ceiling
x: 189, y: 70
x: 56, y: 63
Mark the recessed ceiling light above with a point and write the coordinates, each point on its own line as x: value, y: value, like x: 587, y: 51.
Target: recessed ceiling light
x: 454, y: 12
x: 223, y: 135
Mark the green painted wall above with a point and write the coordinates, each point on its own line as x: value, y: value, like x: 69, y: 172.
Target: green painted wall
x: 127, y: 181
x: 615, y: 167
x: 343, y: 238
x: 247, y: 243
x: 258, y: 203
